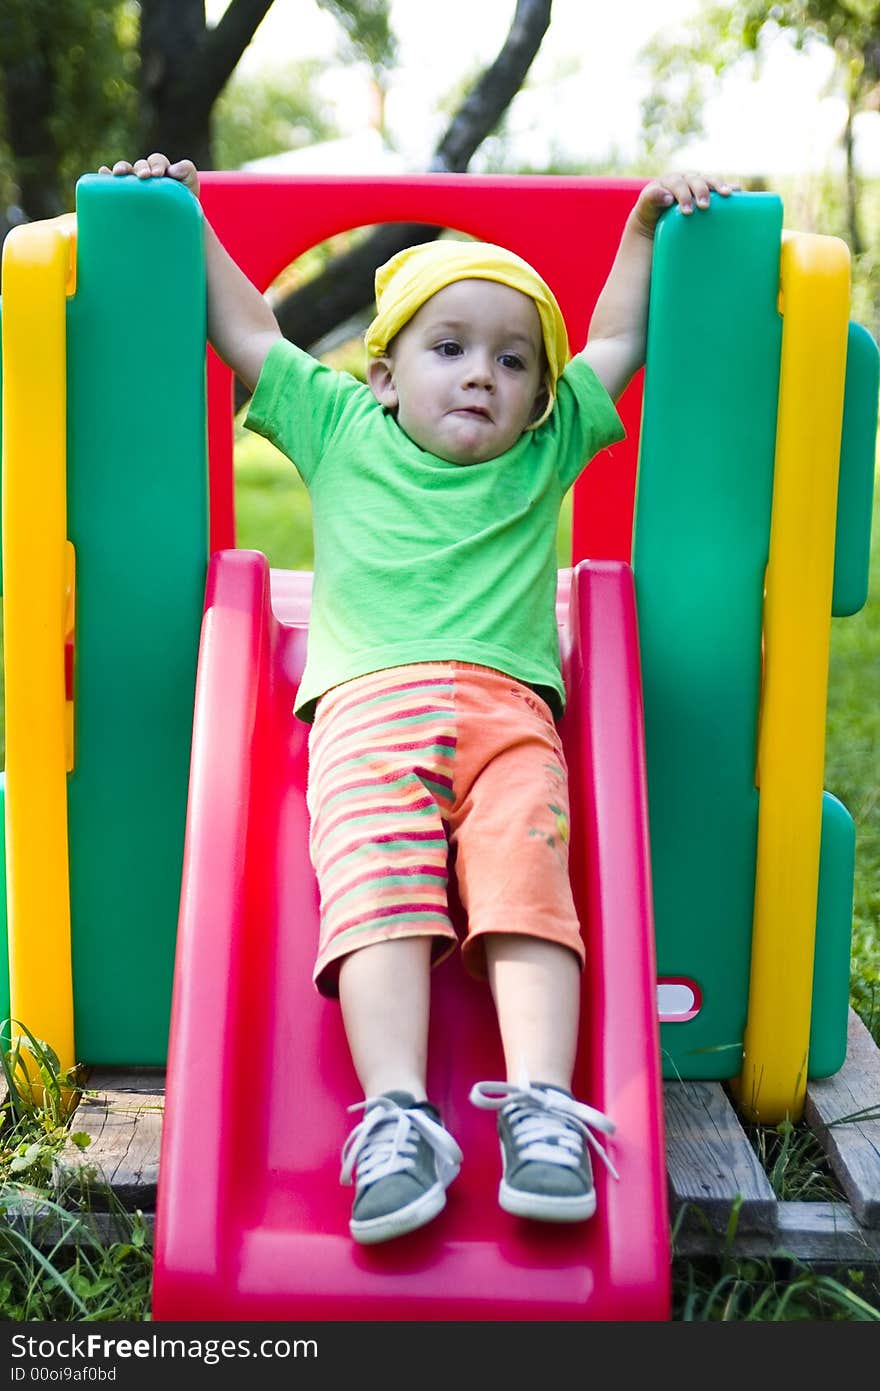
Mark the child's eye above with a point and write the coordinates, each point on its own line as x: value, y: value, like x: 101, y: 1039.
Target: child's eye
x: 448, y: 348
x: 512, y: 361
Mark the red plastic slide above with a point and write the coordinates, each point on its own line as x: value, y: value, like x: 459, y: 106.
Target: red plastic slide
x: 252, y: 1223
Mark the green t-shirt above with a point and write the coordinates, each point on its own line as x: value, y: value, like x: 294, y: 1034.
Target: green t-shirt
x: 418, y: 559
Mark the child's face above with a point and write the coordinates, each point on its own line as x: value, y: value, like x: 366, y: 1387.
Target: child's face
x: 465, y: 374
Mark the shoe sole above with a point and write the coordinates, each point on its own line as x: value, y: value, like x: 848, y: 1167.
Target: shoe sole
x: 544, y: 1208
x: 406, y: 1219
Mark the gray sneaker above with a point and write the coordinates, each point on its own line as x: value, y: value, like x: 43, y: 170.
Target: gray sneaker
x: 402, y: 1161
x: 546, y: 1164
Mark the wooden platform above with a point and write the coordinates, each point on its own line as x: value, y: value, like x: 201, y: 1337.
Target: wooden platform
x: 721, y: 1199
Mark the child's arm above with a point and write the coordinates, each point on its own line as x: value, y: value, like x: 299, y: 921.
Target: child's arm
x: 615, y: 347
x: 241, y: 326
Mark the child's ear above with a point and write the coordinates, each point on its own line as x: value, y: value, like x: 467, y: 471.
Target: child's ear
x: 380, y: 379
x: 540, y: 405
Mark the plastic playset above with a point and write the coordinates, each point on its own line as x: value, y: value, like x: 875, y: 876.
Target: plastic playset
x: 160, y: 906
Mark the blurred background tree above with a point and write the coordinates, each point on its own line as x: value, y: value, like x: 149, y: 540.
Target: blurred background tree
x: 721, y: 36
x: 91, y: 81
x: 185, y: 64
x: 267, y: 113
x: 68, y: 77
x: 88, y: 81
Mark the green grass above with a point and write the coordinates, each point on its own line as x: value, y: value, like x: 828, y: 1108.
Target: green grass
x: 54, y: 1267
x: 734, y: 1290
x: 852, y: 773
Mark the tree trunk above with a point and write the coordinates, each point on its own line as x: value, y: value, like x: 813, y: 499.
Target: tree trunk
x: 345, y: 287
x: 184, y: 68
x: 29, y: 105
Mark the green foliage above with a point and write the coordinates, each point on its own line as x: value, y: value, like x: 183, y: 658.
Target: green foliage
x: 725, y: 1287
x: 368, y: 27
x: 38, y: 1092
x: 87, y: 51
x: 721, y: 36
x: 77, y: 64
x: 794, y: 1162
x: 281, y: 109
x: 818, y: 204
x: 55, y: 1266
x: 761, y: 1291
x: 683, y: 73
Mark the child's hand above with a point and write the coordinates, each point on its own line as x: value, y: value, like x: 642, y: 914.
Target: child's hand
x: 156, y: 167
x: 687, y: 190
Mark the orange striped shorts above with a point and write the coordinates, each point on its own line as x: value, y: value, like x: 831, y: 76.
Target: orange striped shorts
x: 418, y: 769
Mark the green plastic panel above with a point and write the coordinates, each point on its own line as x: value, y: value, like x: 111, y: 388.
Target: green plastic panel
x: 700, y: 548
x: 855, y: 490
x: 138, y: 519
x: 831, y: 966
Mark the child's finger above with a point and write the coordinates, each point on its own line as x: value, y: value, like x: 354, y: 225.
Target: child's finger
x: 700, y: 189
x: 693, y: 190
x: 185, y: 171
x: 702, y: 185
x: 652, y: 199
x: 679, y: 185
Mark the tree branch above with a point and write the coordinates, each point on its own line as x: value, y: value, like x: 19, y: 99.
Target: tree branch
x: 225, y: 44
x: 486, y: 103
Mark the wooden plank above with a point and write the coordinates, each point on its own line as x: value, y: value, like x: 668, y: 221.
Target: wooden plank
x: 817, y: 1234
x: 710, y: 1163
x: 844, y: 1113
x: 122, y: 1112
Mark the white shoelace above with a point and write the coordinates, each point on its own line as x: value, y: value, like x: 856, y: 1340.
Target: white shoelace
x: 546, y: 1124
x: 385, y: 1143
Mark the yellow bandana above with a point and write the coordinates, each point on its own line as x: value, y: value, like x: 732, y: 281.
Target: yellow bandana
x: 404, y: 283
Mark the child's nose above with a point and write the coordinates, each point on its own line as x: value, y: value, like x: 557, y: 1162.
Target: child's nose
x: 480, y: 371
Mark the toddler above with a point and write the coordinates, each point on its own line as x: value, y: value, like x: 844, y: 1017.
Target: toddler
x: 433, y: 682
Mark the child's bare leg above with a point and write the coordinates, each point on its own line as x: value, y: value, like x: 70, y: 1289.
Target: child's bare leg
x: 384, y: 992
x: 543, y: 1130
x: 536, y: 986
x: 402, y: 1157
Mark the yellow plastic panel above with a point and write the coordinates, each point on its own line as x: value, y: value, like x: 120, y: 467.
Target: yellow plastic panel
x: 38, y: 274
x: 815, y: 289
